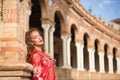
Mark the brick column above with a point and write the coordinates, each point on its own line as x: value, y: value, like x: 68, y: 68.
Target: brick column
x: 13, y: 65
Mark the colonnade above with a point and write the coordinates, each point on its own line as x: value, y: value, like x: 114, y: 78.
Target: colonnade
x: 49, y: 46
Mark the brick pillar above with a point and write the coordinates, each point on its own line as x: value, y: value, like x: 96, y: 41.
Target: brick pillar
x: 13, y: 65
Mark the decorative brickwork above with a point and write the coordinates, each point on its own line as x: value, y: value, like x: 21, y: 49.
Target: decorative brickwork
x: 13, y: 65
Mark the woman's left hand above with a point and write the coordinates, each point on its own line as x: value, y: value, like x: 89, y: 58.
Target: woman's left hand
x: 48, y: 55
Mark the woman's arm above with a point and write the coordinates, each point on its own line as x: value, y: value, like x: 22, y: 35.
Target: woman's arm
x: 37, y: 65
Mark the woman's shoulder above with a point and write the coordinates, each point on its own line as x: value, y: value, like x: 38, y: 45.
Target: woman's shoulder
x: 37, y: 52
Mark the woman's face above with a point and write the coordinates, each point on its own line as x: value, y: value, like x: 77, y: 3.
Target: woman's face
x: 36, y: 38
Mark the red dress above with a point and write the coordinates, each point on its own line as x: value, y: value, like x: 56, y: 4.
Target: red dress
x: 43, y: 66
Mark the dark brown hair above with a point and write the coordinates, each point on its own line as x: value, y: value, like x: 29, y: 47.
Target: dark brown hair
x: 30, y: 47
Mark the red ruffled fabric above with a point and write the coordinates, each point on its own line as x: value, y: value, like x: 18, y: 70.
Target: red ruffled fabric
x: 43, y: 66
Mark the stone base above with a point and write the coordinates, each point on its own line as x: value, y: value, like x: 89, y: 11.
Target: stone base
x: 13, y: 78
x: 18, y: 71
x: 74, y: 74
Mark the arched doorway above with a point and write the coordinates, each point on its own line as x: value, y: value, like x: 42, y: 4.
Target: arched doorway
x: 57, y: 39
x: 114, y: 60
x: 106, y: 58
x: 96, y: 55
x: 73, y: 48
x: 85, y: 51
x: 35, y: 17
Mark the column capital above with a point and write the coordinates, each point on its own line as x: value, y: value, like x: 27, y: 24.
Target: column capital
x: 64, y: 37
x: 118, y: 58
x: 52, y: 29
x: 46, y: 26
x: 110, y: 56
x: 101, y: 53
x: 69, y: 39
x: 79, y: 41
x: 66, y: 34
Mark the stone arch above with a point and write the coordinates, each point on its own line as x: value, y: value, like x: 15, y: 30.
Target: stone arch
x: 59, y: 11
x: 62, y: 20
x: 37, y: 13
x: 85, y: 51
x: 59, y: 23
x: 96, y: 45
x: 75, y: 24
x: 44, y: 10
x: 114, y: 60
x: 73, y: 46
x: 74, y: 27
x: 106, y: 47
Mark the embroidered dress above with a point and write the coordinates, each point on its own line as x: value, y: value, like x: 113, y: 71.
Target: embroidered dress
x: 43, y: 66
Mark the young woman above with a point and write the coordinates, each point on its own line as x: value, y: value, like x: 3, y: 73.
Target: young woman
x: 43, y: 64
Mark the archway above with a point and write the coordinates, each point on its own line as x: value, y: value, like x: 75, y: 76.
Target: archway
x: 36, y: 15
x: 96, y: 55
x: 57, y: 39
x: 106, y: 58
x: 114, y: 60
x: 85, y: 51
x: 73, y: 48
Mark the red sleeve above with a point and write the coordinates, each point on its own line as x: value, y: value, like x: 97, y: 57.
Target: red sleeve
x: 37, y: 64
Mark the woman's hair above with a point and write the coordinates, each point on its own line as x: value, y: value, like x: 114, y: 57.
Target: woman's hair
x: 30, y: 47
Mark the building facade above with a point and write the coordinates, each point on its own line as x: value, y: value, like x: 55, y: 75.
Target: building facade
x: 85, y: 47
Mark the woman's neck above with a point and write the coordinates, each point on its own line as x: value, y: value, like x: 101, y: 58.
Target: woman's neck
x: 38, y: 48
